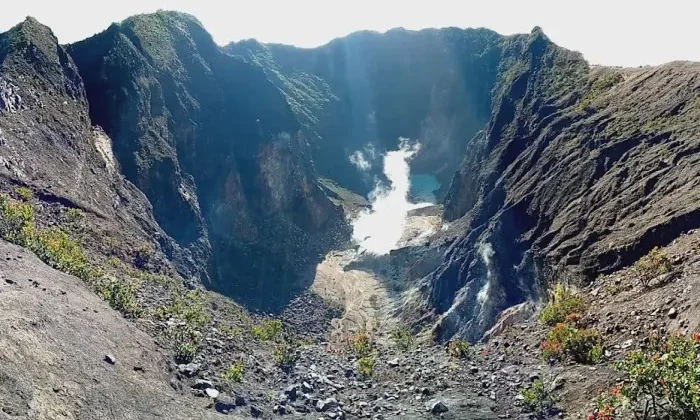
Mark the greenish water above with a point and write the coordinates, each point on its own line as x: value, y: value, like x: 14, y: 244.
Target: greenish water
x: 423, y: 188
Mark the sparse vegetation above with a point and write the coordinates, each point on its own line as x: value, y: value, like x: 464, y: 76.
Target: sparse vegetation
x: 403, y: 338
x: 185, y: 341
x: 583, y: 345
x: 74, y: 215
x: 361, y: 344
x: 563, y: 302
x: 188, y: 307
x: 53, y: 246
x: 365, y: 366
x: 651, y: 266
x: 143, y: 255
x: 229, y: 331
x: 268, y: 330
x: 24, y: 193
x: 234, y: 373
x: 114, y: 262
x: 286, y: 355
x: 121, y: 295
x: 57, y: 249
x: 459, y: 349
x: 539, y: 398
x: 17, y: 224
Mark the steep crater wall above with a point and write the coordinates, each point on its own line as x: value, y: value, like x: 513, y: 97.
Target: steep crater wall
x: 216, y: 149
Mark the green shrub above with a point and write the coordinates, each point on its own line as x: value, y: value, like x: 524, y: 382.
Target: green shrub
x: 582, y: 344
x: 74, y: 215
x: 268, y: 330
x: 563, y: 302
x: 286, y: 355
x: 114, y: 262
x: 664, y: 380
x: 538, y: 399
x: 403, y: 339
x: 365, y: 366
x: 459, y: 349
x: 361, y: 344
x: 234, y: 373
x: 652, y: 265
x: 17, y: 223
x: 121, y: 295
x: 185, y: 341
x: 143, y: 255
x: 57, y: 249
x: 24, y: 193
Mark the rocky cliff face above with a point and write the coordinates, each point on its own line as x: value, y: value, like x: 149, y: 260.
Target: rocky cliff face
x: 365, y: 91
x: 48, y: 144
x: 579, y: 167
x: 216, y: 149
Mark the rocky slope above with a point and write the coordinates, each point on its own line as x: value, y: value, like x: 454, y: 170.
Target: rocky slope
x: 579, y: 167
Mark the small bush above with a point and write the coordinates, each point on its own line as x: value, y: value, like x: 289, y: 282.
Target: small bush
x: 459, y: 349
x: 652, y: 265
x: 234, y: 373
x: 24, y: 193
x: 74, y: 215
x: 563, y: 302
x: 664, y: 380
x: 365, y: 366
x: 143, y: 255
x: 538, y: 399
x: 403, y: 339
x: 268, y: 330
x: 286, y: 355
x: 608, y: 405
x: 185, y: 341
x: 121, y: 295
x: 582, y: 344
x: 17, y: 223
x: 361, y: 344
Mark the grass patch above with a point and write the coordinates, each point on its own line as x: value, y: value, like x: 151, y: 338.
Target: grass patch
x: 234, y: 373
x: 268, y: 330
x: 563, y: 303
x: 230, y: 332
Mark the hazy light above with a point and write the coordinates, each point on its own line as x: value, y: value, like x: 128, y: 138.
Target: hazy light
x: 621, y: 32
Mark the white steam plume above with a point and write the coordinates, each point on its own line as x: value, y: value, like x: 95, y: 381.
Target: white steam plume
x: 379, y: 229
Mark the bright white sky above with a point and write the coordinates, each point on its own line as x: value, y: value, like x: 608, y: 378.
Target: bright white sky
x: 611, y: 32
